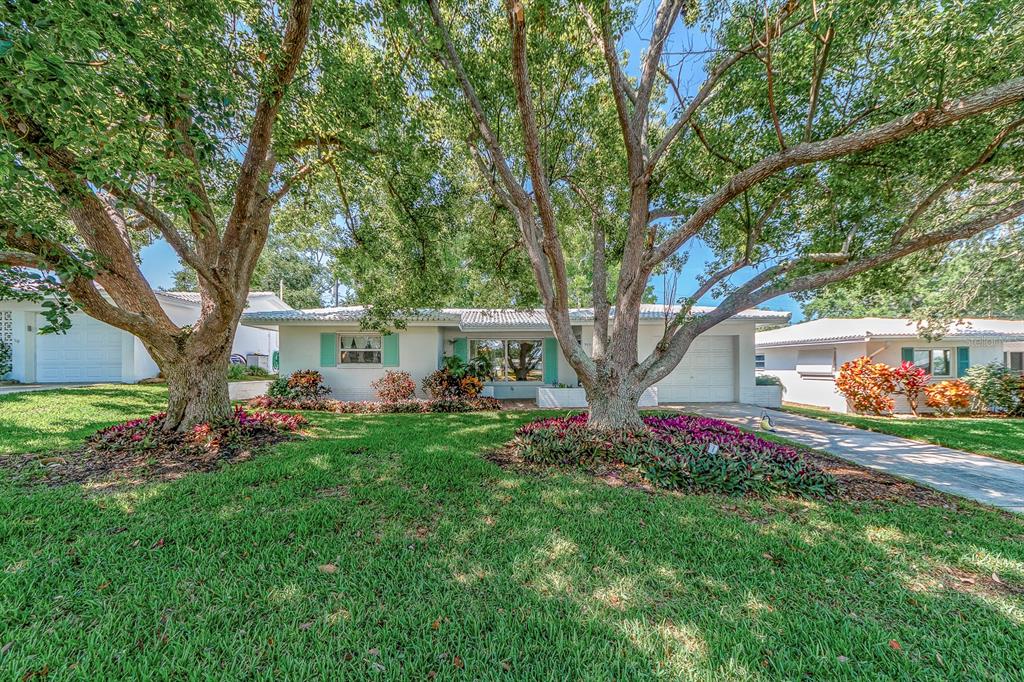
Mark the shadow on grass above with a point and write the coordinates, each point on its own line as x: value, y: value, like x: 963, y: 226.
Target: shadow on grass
x: 385, y: 546
x: 61, y: 419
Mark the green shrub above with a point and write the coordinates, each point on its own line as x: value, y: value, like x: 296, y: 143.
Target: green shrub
x: 279, y: 388
x: 767, y: 380
x: 998, y: 387
x: 236, y: 372
x: 257, y: 371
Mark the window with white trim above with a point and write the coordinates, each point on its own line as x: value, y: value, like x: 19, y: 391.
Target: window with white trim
x: 1015, y: 361
x: 936, y: 361
x: 759, y: 361
x: 359, y: 349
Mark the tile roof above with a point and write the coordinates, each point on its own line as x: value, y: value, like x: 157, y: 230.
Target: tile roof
x: 482, y: 318
x: 193, y: 296
x: 830, y: 329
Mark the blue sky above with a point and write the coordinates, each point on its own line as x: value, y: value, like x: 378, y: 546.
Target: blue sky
x: 159, y: 261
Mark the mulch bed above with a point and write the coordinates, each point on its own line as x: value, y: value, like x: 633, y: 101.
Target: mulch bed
x: 856, y: 483
x: 105, y: 470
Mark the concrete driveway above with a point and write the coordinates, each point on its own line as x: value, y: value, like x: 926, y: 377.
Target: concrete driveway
x: 985, y: 479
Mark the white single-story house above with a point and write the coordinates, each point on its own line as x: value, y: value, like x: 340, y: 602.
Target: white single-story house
x: 719, y: 367
x: 806, y: 357
x: 93, y: 351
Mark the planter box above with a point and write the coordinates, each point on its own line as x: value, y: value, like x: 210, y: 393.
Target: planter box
x: 767, y: 396
x: 243, y: 390
x: 577, y: 397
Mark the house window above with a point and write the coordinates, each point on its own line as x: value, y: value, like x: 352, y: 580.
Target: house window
x: 935, y: 361
x: 816, y: 363
x: 759, y: 361
x: 359, y: 349
x: 511, y: 359
x: 1015, y: 361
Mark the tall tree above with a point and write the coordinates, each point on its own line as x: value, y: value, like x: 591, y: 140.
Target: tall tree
x: 825, y: 139
x: 188, y: 121
x: 980, y: 278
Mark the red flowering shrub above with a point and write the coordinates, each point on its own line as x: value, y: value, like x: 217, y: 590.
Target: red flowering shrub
x: 867, y: 385
x: 307, y: 383
x: 949, y: 397
x: 378, y: 407
x: 242, y: 430
x: 910, y: 381
x: 395, y: 386
x: 679, y: 452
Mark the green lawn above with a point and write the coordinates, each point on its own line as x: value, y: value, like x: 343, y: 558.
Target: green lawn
x: 438, y: 560
x: 1002, y: 438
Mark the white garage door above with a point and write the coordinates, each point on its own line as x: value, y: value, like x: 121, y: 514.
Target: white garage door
x: 89, y: 351
x: 707, y: 373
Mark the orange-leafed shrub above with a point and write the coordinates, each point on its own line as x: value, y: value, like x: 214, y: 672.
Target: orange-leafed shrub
x: 471, y: 386
x: 867, y: 385
x: 949, y: 397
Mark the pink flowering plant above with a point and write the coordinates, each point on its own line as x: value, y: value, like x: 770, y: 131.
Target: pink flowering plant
x: 478, y: 404
x: 244, y: 428
x: 911, y: 382
x: 395, y: 386
x: 679, y: 452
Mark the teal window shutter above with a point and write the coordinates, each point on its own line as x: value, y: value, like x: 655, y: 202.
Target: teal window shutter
x: 907, y: 354
x: 328, y: 349
x: 461, y: 348
x: 550, y: 360
x: 389, y: 350
x: 963, y: 360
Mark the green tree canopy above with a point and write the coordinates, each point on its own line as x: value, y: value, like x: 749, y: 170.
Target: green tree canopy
x: 808, y: 143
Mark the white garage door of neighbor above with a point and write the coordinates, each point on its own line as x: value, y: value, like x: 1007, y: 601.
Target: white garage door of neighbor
x: 89, y: 351
x: 707, y: 373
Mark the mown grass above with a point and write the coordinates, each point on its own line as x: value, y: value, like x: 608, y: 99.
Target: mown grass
x: 443, y: 562
x: 38, y: 421
x: 996, y: 437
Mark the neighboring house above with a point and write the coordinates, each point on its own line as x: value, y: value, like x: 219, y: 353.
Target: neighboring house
x: 93, y: 351
x: 718, y: 367
x: 807, y: 356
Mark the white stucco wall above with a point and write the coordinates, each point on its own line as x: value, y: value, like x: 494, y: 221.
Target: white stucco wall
x: 738, y: 334
x: 804, y: 389
x: 22, y: 342
x: 136, y: 361
x: 419, y: 348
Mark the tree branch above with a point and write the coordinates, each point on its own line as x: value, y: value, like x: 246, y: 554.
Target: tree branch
x: 984, y: 158
x: 711, y: 83
x: 664, y: 18
x: 558, y: 305
x: 21, y: 259
x: 622, y: 91
x: 931, y: 118
x: 512, y: 186
x: 254, y: 164
x: 820, y: 60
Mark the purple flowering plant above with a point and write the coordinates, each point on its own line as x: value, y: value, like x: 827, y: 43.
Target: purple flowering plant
x: 678, y: 452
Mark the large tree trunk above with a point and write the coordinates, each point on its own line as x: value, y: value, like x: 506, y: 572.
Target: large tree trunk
x: 197, y: 381
x: 613, y: 405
